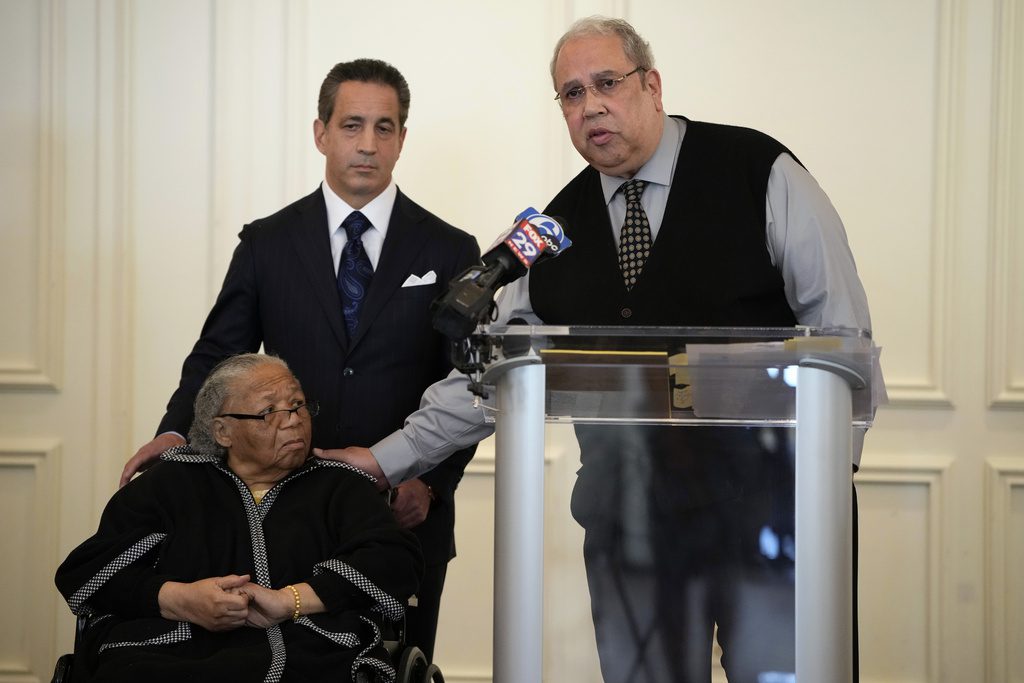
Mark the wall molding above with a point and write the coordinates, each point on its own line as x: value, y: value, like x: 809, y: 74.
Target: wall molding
x: 45, y: 371
x: 260, y: 90
x: 37, y: 621
x: 1003, y: 481
x: 113, y: 240
x: 482, y: 464
x: 1004, y: 373
x: 931, y: 472
x: 296, y: 67
x: 931, y: 390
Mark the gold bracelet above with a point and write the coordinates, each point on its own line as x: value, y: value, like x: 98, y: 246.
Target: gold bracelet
x: 298, y: 601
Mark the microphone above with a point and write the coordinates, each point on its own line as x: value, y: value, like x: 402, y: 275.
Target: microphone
x: 533, y: 237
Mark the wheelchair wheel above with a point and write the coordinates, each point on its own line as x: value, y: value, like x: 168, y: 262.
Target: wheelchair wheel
x: 412, y: 666
x: 433, y: 675
x: 62, y: 671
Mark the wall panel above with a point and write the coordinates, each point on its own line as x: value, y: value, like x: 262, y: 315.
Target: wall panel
x: 901, y: 505
x: 28, y: 472
x: 1004, y: 561
x: 169, y: 140
x: 31, y: 192
x: 862, y: 95
x: 1006, y: 296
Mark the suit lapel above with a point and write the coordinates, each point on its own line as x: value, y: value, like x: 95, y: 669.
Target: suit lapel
x: 401, y: 246
x: 313, y: 244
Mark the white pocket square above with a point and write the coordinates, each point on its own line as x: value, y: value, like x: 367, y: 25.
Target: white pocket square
x: 428, y: 278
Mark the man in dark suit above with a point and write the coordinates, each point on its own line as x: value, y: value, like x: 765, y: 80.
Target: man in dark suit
x: 339, y: 284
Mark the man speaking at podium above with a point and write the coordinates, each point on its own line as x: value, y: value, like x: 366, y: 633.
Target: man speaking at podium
x: 681, y: 223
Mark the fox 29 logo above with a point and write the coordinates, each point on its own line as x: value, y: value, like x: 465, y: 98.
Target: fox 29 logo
x: 525, y: 243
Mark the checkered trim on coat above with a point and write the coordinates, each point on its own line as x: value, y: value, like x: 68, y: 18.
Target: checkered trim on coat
x: 254, y: 514
x: 77, y: 602
x: 347, y: 639
x: 323, y: 462
x: 278, y: 654
x: 384, y: 670
x: 386, y: 604
x: 181, y: 633
x: 187, y: 454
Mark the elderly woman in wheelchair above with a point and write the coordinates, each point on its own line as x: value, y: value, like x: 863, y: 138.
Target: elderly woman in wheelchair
x: 239, y: 557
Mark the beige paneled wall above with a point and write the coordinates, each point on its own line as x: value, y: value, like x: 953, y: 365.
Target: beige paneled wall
x: 31, y: 180
x: 1006, y: 284
x: 169, y: 148
x: 137, y: 137
x: 856, y: 92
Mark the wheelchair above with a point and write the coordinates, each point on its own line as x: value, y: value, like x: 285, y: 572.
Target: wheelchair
x: 409, y: 661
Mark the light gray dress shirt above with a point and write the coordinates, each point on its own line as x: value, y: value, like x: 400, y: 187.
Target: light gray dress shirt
x: 804, y: 237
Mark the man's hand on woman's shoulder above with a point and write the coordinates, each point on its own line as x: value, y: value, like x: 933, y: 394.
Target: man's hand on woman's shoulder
x: 357, y: 457
x: 148, y: 454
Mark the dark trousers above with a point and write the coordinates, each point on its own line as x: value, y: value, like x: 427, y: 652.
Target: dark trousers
x: 421, y: 620
x: 688, y: 529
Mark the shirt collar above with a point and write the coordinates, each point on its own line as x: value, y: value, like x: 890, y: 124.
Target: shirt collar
x: 377, y: 210
x: 659, y: 167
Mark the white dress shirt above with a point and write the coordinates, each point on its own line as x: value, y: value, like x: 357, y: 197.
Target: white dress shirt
x: 377, y: 211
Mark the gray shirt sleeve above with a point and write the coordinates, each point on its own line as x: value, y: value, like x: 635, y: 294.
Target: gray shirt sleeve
x: 807, y: 243
x: 448, y: 419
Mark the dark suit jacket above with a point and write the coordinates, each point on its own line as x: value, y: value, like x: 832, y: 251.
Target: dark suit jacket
x: 280, y: 291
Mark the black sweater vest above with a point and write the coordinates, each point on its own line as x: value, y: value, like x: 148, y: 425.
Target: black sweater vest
x: 709, y: 265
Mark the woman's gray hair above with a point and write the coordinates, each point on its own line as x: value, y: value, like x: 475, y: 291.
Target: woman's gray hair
x: 214, y: 394
x: 637, y: 50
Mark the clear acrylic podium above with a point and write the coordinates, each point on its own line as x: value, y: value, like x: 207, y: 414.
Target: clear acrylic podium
x: 817, y: 381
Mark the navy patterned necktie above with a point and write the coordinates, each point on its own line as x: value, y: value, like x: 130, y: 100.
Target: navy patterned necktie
x: 354, y: 270
x: 635, y: 238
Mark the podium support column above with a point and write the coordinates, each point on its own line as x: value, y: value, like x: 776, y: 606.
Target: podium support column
x: 824, y: 555
x: 519, y: 525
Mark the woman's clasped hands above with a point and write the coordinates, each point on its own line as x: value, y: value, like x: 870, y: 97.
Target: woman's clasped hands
x: 223, y: 603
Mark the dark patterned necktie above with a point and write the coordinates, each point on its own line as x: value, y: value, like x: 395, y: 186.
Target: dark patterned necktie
x: 635, y: 238
x: 354, y: 270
